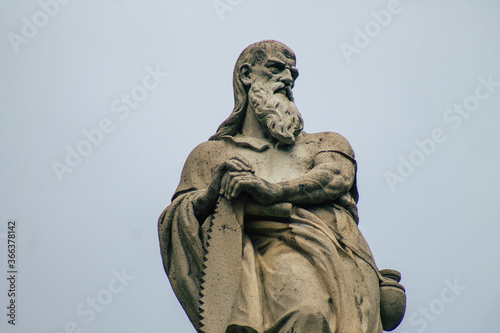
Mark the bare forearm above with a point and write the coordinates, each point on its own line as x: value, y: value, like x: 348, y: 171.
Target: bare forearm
x: 318, y: 186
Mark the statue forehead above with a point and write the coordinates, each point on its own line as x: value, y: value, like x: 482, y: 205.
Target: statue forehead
x: 281, y: 55
x: 261, y: 51
x: 278, y: 48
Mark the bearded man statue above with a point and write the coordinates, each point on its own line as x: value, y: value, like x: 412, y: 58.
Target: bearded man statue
x: 261, y: 235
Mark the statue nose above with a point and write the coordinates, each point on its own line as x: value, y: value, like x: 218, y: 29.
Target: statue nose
x: 286, y: 78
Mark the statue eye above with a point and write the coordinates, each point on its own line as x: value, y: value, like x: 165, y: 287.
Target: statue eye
x: 276, y: 67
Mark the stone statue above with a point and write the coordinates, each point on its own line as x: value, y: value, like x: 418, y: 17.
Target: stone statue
x: 261, y: 234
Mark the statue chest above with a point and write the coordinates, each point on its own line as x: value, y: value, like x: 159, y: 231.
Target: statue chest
x: 276, y: 165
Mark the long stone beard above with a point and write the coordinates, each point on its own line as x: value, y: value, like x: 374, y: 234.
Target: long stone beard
x: 275, y: 109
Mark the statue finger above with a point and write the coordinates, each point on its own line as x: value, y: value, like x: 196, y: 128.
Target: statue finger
x: 223, y: 182
x: 237, y: 188
x: 244, y: 162
x: 235, y: 165
x: 232, y: 184
x: 229, y: 165
x: 230, y: 179
x: 241, y: 183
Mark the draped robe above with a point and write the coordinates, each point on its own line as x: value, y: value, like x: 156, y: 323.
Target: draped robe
x: 278, y: 268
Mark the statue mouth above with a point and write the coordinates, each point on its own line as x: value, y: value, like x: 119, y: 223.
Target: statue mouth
x: 285, y: 90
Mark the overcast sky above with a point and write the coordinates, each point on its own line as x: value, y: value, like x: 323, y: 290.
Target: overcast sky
x: 102, y: 101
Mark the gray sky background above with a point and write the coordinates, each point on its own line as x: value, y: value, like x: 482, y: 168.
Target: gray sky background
x: 437, y: 224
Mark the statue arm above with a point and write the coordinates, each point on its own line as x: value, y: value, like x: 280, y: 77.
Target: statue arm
x: 331, y: 177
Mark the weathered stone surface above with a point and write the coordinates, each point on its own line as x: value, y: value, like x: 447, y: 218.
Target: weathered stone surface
x: 261, y: 234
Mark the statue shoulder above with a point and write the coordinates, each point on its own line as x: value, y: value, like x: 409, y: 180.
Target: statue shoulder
x: 198, y: 168
x: 329, y: 141
x: 208, y: 150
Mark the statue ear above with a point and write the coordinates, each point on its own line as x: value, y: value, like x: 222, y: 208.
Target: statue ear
x: 245, y: 70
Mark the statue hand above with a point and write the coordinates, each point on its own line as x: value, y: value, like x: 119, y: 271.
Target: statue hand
x: 235, y: 182
x: 205, y: 203
x: 237, y: 163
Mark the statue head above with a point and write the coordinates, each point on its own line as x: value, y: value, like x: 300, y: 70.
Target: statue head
x: 263, y: 79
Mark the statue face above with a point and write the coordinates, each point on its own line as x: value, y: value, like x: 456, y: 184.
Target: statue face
x: 271, y: 99
x: 277, y: 69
